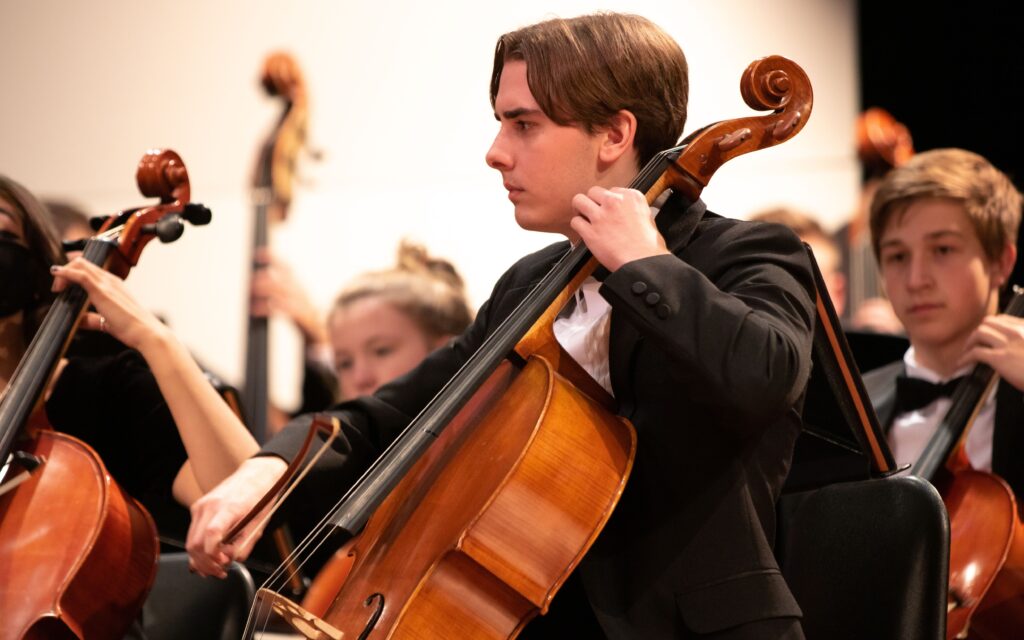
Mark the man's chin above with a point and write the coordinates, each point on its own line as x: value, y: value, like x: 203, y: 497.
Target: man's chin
x: 528, y: 220
x: 531, y: 220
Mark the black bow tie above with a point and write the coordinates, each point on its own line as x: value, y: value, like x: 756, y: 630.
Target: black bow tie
x: 915, y: 393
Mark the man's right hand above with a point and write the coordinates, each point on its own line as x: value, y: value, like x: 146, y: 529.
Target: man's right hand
x: 215, y: 513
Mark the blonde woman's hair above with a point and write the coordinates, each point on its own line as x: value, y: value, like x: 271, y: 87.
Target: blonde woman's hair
x: 427, y: 289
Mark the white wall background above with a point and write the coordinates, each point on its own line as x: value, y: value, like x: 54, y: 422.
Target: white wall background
x: 399, y: 109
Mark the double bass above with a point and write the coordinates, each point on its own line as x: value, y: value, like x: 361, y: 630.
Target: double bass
x: 77, y: 554
x: 271, y: 195
x: 986, y: 532
x: 520, y: 435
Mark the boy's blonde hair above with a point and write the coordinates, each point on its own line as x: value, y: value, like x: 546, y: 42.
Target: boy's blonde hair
x: 991, y: 201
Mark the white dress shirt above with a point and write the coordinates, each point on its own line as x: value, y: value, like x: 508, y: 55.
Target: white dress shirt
x: 911, y: 431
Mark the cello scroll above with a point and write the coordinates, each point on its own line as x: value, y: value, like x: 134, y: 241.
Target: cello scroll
x: 160, y: 174
x: 772, y: 83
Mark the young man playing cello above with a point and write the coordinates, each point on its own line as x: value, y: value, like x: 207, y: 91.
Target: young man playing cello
x: 700, y: 329
x: 944, y: 227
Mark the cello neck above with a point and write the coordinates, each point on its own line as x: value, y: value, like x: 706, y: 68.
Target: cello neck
x: 47, y: 346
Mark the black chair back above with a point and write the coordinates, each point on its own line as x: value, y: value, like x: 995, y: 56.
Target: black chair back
x: 185, y: 605
x: 865, y: 551
x: 869, y: 559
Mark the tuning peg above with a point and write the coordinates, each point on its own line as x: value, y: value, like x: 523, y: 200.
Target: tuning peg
x: 197, y: 214
x: 168, y: 228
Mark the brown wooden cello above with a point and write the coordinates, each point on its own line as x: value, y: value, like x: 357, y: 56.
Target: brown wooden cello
x: 77, y: 554
x: 986, y: 545
x: 520, y: 434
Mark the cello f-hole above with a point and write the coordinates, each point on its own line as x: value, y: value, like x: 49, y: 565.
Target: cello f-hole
x: 371, y: 624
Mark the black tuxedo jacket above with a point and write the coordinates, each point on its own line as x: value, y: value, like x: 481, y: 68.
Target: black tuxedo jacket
x: 709, y: 359
x: 1007, y: 437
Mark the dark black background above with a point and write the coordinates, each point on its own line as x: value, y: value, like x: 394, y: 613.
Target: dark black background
x: 953, y: 73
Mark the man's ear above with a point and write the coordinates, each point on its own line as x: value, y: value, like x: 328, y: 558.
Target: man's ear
x: 618, y: 135
x: 1004, y: 265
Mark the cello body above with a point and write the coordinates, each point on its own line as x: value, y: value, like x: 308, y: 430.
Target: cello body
x: 446, y: 555
x: 986, y: 546
x: 91, y: 559
x: 986, y: 557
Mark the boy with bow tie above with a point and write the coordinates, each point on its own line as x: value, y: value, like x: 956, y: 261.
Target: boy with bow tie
x: 944, y: 229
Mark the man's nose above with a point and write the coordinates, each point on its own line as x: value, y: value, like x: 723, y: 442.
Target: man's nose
x: 497, y: 156
x: 920, y: 273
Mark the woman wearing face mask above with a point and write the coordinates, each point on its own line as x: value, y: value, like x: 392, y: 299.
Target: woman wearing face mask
x: 148, y: 408
x: 109, y: 397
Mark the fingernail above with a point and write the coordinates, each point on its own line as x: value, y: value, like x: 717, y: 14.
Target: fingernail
x: 54, y: 269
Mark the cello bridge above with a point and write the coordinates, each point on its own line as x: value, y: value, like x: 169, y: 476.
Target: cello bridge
x: 304, y: 622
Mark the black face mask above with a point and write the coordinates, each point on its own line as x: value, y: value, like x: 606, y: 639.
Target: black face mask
x: 18, y: 277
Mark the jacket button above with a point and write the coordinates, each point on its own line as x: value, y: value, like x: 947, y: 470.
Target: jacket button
x: 639, y: 287
x: 663, y: 311
x: 652, y: 298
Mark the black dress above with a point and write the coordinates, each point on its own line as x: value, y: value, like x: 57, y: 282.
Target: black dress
x: 109, y: 399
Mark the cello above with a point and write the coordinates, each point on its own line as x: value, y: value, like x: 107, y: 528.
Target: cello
x: 77, y: 554
x: 521, y: 433
x: 271, y: 195
x: 986, y: 533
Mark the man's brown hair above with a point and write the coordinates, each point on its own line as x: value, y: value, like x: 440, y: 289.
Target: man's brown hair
x: 992, y: 202
x: 584, y: 70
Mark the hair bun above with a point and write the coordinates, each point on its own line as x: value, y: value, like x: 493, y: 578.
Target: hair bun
x: 413, y: 257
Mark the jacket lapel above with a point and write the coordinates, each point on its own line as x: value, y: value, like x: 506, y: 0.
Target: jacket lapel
x: 1007, y: 439
x: 881, y: 387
